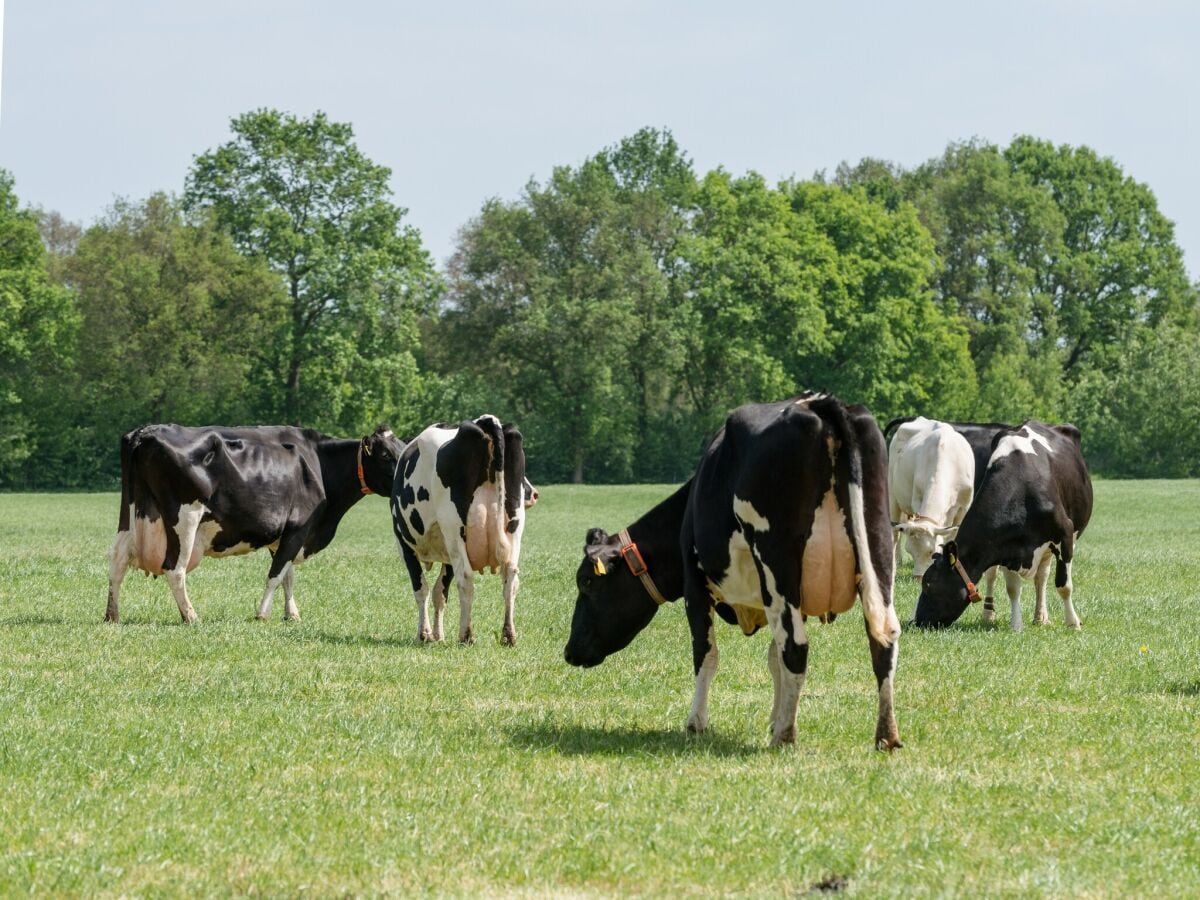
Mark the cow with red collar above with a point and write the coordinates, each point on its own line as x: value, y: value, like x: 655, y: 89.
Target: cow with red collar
x: 187, y: 493
x: 459, y: 499
x: 931, y: 477
x: 786, y: 518
x: 1032, y: 504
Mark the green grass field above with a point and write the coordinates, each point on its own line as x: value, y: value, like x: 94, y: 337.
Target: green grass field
x: 336, y: 755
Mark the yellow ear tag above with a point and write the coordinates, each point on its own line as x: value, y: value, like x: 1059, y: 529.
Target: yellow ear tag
x: 598, y: 568
x: 950, y: 558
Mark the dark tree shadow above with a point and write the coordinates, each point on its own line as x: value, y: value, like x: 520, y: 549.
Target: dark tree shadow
x: 583, y: 740
x: 1183, y: 689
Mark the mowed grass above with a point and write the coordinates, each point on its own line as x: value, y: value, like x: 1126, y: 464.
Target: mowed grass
x: 337, y: 755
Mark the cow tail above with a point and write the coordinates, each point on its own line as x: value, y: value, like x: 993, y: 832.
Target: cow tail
x: 894, y: 424
x: 495, y: 473
x: 878, y: 609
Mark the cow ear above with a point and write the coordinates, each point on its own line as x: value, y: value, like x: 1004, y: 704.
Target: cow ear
x: 899, y: 527
x: 595, y: 536
x: 946, y: 531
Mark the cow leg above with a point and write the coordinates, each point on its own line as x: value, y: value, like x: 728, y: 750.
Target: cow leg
x: 989, y: 596
x: 441, y: 589
x: 511, y: 582
x: 185, y: 531
x: 274, y: 579
x: 420, y: 586
x: 1040, y: 616
x: 465, y: 582
x: 883, y: 661
x: 1062, y: 581
x: 698, y: 606
x: 775, y: 667
x: 118, y: 563
x: 779, y: 585
x: 290, y: 610
x: 1012, y: 584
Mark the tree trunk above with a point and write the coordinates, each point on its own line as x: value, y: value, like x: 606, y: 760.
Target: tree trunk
x: 577, y: 475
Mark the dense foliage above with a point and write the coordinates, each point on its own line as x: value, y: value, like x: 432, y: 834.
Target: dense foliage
x: 615, y: 311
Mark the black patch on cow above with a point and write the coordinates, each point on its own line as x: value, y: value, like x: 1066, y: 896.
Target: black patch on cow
x: 514, y: 470
x: 412, y: 564
x: 462, y: 465
x: 762, y: 578
x: 406, y: 494
x: 795, y: 656
x: 410, y: 461
x: 725, y: 611
x: 462, y: 532
x: 402, y: 531
x: 417, y: 523
x: 236, y: 444
x: 512, y: 525
x: 422, y: 493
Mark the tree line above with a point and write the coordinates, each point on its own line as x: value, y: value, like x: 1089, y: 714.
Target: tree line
x: 615, y: 311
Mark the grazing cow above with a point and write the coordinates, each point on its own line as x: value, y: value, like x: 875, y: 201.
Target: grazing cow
x: 1034, y: 501
x: 459, y: 498
x: 980, y: 436
x: 931, y: 477
x: 187, y: 493
x: 785, y: 518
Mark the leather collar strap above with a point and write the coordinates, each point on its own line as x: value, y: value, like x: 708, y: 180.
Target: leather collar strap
x: 361, y: 480
x: 637, y: 565
x: 972, y: 594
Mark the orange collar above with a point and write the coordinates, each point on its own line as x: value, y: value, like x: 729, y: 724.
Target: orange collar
x: 361, y: 480
x: 637, y: 565
x: 972, y: 593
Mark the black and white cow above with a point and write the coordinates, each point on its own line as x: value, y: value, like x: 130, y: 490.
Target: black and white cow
x: 1033, y: 502
x: 785, y: 518
x: 459, y: 499
x: 187, y: 493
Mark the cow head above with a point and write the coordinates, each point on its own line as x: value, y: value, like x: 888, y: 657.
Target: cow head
x: 612, y: 605
x: 531, y: 493
x: 380, y: 451
x: 943, y: 592
x: 922, y: 539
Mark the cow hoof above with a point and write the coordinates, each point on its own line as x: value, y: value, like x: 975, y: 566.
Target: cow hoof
x: 888, y: 743
x: 697, y: 724
x: 191, y: 620
x: 1075, y: 626
x: 1041, y: 620
x: 467, y: 637
x: 259, y: 617
x: 425, y: 637
x: 295, y: 618
x: 508, y: 638
x: 788, y: 736
x: 112, y: 617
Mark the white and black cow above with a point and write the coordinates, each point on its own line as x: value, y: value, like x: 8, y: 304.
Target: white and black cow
x: 785, y: 518
x: 1033, y: 502
x: 931, y: 478
x: 459, y: 499
x: 187, y: 493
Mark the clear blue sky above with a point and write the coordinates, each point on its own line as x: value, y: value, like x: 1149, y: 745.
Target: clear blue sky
x: 468, y: 100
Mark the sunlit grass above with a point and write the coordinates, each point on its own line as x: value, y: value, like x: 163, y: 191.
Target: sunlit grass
x: 337, y: 755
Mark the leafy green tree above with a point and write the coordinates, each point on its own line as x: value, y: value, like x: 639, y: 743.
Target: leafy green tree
x: 37, y: 333
x: 1114, y: 267
x: 177, y: 326
x: 301, y: 195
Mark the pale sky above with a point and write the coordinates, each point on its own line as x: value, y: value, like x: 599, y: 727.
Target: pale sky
x: 465, y: 101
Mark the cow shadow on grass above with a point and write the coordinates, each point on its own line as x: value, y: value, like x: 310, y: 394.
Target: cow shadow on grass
x: 1183, y: 689
x: 33, y: 620
x: 593, y: 740
x: 354, y: 640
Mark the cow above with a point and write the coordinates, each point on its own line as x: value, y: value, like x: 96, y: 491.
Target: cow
x: 187, y: 493
x: 459, y: 498
x: 786, y: 517
x: 980, y: 436
x: 1033, y: 503
x: 931, y: 477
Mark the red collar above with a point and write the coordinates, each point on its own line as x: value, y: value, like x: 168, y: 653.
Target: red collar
x: 637, y: 565
x: 361, y: 480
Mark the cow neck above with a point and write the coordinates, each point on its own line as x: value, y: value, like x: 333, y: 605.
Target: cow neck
x: 657, y: 537
x: 339, y: 474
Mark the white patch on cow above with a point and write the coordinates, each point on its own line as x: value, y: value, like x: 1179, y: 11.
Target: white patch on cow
x: 1066, y: 592
x: 185, y: 530
x: 880, y: 615
x: 827, y: 577
x: 1012, y: 584
x: 745, y: 511
x: 1040, y: 615
x: 1021, y: 442
x: 698, y: 718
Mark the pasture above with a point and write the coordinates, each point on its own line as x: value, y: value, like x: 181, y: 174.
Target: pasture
x: 337, y: 755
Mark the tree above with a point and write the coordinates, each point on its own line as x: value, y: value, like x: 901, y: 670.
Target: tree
x: 299, y: 194
x: 176, y: 321
x: 37, y: 333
